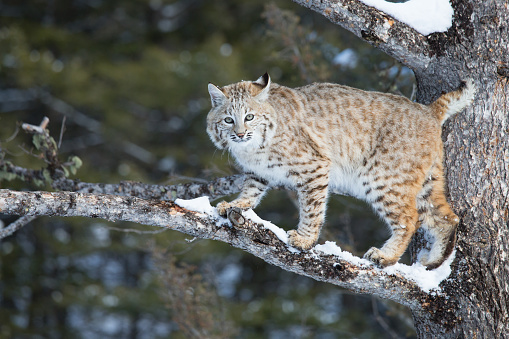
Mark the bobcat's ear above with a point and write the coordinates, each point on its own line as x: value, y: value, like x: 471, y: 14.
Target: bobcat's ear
x: 264, y: 81
x: 217, y: 96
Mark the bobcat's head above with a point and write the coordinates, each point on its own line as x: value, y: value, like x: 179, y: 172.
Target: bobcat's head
x: 240, y: 114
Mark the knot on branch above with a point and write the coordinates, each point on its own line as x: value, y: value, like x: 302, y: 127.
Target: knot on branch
x: 371, y: 37
x: 234, y: 214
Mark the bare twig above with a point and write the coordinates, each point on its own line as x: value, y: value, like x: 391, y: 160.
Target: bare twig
x: 36, y: 129
x: 381, y: 321
x: 12, y: 136
x: 16, y: 226
x: 62, y: 129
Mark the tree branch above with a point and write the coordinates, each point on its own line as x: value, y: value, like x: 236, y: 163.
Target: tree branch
x: 214, y: 189
x: 253, y: 238
x: 398, y: 40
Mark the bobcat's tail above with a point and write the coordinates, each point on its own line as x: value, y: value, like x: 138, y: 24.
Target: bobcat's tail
x: 453, y: 102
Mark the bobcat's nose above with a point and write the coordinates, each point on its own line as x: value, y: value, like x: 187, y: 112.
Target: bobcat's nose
x: 240, y: 135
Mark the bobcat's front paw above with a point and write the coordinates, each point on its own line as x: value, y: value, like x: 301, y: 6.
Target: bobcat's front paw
x: 379, y: 258
x: 232, y: 212
x: 223, y: 207
x: 301, y: 242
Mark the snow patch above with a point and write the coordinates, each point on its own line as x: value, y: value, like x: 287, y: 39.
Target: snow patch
x: 426, y: 280
x: 331, y: 248
x: 278, y: 231
x: 425, y: 16
x: 200, y: 205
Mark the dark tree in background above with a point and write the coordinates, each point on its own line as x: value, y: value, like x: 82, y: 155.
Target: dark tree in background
x: 126, y: 77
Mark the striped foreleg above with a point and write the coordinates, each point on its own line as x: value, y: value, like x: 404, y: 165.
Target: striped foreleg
x: 312, y: 201
x: 253, y: 190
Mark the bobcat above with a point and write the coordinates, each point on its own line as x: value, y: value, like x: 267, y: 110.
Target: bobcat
x: 379, y: 147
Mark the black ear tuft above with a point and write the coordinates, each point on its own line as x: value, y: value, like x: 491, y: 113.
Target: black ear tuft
x: 263, y: 80
x: 264, y: 83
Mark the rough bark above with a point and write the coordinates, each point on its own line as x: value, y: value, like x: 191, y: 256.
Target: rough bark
x: 477, y: 149
x: 478, y: 173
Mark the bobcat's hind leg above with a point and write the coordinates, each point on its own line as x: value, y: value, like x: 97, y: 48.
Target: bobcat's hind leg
x: 396, y: 245
x: 400, y: 213
x: 436, y: 216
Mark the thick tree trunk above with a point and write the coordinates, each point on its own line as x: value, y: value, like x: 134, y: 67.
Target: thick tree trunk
x: 477, y: 151
x: 477, y: 162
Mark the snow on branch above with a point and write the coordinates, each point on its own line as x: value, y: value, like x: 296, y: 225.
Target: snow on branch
x: 425, y: 16
x: 321, y: 263
x: 379, y: 28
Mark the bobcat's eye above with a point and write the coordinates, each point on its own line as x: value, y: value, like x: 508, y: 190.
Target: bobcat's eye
x: 228, y: 120
x: 249, y: 117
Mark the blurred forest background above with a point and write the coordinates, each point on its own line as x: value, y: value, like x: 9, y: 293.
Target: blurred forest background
x: 124, y: 84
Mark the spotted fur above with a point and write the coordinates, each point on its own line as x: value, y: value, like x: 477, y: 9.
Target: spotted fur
x: 379, y: 147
